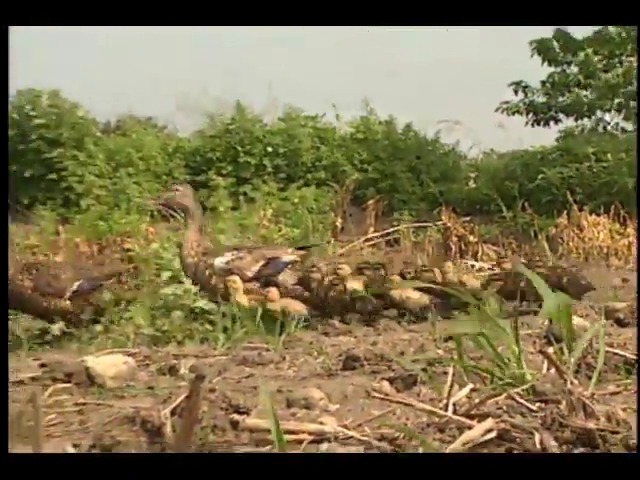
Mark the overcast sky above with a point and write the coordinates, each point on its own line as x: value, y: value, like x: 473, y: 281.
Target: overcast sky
x: 422, y: 74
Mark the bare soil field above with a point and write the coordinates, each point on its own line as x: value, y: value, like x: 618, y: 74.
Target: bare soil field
x: 390, y: 387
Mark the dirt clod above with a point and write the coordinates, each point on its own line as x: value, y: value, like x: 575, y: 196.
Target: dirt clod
x: 403, y: 381
x: 310, y: 398
x: 620, y: 313
x: 352, y: 361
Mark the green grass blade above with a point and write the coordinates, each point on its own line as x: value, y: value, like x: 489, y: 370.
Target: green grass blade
x: 277, y: 435
x: 582, y: 344
x: 601, y: 357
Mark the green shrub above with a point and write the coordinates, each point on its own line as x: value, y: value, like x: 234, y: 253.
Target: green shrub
x: 63, y: 160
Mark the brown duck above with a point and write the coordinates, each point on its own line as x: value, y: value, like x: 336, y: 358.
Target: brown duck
x: 512, y: 285
x: 204, y: 263
x: 52, y: 291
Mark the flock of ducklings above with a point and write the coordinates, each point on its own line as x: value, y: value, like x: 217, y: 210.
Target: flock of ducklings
x: 366, y: 289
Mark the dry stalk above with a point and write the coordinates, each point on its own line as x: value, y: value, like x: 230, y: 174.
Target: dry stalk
x: 38, y: 427
x: 409, y: 402
x: 292, y: 428
x: 385, y: 233
x: 482, y: 432
x: 187, y: 409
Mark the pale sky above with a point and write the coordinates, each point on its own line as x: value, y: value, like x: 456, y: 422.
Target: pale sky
x: 419, y: 74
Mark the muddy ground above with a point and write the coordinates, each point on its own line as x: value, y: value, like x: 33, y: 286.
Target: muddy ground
x: 343, y: 388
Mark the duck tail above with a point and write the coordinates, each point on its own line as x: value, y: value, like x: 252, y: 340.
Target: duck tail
x: 309, y: 246
x: 83, y: 287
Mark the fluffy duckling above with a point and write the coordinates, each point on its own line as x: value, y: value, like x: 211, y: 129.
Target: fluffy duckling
x: 277, y: 304
x: 428, y: 274
x: 364, y: 268
x: 407, y: 272
x: 377, y: 277
x: 235, y: 289
x: 408, y: 299
x: 313, y: 279
x: 347, y: 280
x: 463, y: 279
x: 449, y: 273
x: 346, y: 293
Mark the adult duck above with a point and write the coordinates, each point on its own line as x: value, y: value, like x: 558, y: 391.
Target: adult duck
x: 204, y: 263
x: 54, y: 291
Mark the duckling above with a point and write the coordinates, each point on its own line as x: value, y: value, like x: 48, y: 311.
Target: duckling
x: 364, y: 268
x: 470, y: 282
x: 407, y: 272
x: 311, y: 288
x: 349, y: 282
x: 408, y: 299
x: 378, y: 276
x: 449, y: 273
x: 427, y: 274
x: 513, y: 286
x: 235, y: 289
x: 314, y: 278
x: 347, y: 294
x: 274, y: 302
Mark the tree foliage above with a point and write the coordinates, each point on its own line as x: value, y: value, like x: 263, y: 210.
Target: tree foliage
x: 592, y: 83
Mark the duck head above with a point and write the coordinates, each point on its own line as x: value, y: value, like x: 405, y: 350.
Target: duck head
x: 343, y: 270
x: 180, y: 198
x: 272, y: 294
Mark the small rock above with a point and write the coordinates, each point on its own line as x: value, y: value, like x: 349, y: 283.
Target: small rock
x: 310, y: 399
x: 258, y: 358
x: 110, y: 371
x: 384, y: 388
x: 352, y: 361
x: 620, y: 313
x: 553, y: 332
x: 336, y: 448
x: 328, y: 420
x: 403, y: 381
x: 620, y: 282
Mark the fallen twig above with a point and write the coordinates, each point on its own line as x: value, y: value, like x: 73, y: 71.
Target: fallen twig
x: 382, y: 233
x: 190, y: 413
x: 620, y: 353
x: 448, y: 388
x: 482, y: 432
x: 560, y: 371
x: 252, y: 424
x: 372, y: 417
x: 38, y: 427
x: 459, y: 396
x: 409, y: 402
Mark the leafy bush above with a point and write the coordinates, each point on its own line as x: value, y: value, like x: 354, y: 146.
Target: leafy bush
x: 64, y: 160
x: 597, y: 169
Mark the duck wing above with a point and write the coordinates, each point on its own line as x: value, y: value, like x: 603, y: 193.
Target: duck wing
x: 259, y: 263
x: 67, y: 283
